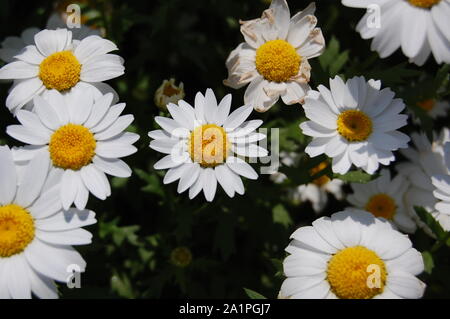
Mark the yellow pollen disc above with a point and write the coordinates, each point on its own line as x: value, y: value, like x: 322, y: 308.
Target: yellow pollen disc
x: 181, y: 256
x: 16, y: 230
x: 208, y: 145
x: 60, y: 71
x: 427, y: 105
x: 322, y: 180
x: 356, y: 273
x: 354, y: 125
x: 277, y: 61
x: 72, y: 146
x: 382, y: 205
x: 424, y: 3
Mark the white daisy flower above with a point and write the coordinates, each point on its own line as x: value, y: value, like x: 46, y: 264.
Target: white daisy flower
x: 442, y: 193
x: 56, y: 61
x: 430, y: 32
x: 354, y: 123
x: 274, y: 56
x: 317, y: 191
x: 204, y: 144
x: 433, y: 108
x: 425, y: 161
x: 351, y: 255
x: 168, y: 92
x: 35, y: 233
x: 83, y: 137
x: 383, y: 197
x: 288, y: 159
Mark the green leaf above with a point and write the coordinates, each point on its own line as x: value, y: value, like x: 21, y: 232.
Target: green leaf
x: 153, y: 182
x: 331, y: 59
x: 122, y: 286
x: 224, y: 239
x: 431, y: 222
x: 356, y: 177
x: 278, y: 264
x: 253, y: 294
x: 281, y: 216
x: 428, y: 261
x: 339, y: 63
x: 395, y: 75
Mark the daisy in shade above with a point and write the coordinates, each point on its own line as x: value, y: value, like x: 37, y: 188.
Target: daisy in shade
x: 354, y: 123
x: 430, y: 32
x: 12, y: 45
x: 442, y: 193
x: 204, y: 145
x: 58, y: 20
x: 57, y: 62
x: 84, y: 139
x: 383, y: 197
x: 317, y: 191
x: 168, y: 92
x: 273, y: 60
x: 425, y: 161
x: 35, y: 233
x: 351, y: 255
x: 433, y: 108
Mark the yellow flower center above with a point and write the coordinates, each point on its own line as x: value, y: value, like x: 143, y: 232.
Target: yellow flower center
x: 322, y: 180
x: 277, y: 61
x: 354, y: 125
x: 426, y: 105
x: 356, y: 273
x: 209, y: 145
x: 382, y: 205
x: 72, y: 146
x: 60, y: 71
x: 424, y: 3
x: 16, y: 230
x: 181, y: 256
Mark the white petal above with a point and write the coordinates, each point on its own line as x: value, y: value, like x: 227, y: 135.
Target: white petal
x: 209, y: 184
x: 51, y: 41
x: 111, y: 116
x: 102, y: 68
x: 22, y: 92
x: 94, y: 181
x: 116, y: 128
x: 405, y: 285
x: 112, y: 166
x: 241, y: 167
x: 223, y: 175
x: 223, y: 110
x: 189, y: 176
x: 93, y: 46
x: 8, y: 183
x: 46, y: 113
x: 48, y: 203
x: 99, y: 110
x: 34, y: 178
x: 53, y: 261
x: 69, y: 188
x: 18, y: 70
x: 210, y: 106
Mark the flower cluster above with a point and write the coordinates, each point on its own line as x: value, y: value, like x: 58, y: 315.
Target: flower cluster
x: 74, y: 133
